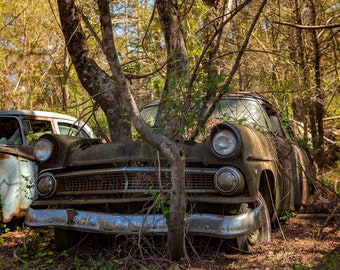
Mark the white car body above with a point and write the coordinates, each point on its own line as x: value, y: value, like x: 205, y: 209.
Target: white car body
x: 18, y: 131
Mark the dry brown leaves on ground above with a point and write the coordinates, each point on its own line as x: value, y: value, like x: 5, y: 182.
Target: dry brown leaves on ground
x: 310, y: 240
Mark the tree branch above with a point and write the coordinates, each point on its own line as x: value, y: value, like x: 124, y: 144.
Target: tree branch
x: 308, y: 27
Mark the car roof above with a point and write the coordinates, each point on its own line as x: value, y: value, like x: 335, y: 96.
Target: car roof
x: 37, y: 114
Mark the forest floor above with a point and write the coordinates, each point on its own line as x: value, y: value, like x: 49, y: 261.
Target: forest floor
x: 307, y: 240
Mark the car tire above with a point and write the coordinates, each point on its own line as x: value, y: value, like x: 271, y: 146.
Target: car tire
x: 263, y: 234
x: 66, y: 239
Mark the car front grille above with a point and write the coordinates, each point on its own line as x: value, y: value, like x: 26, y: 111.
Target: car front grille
x: 132, y: 180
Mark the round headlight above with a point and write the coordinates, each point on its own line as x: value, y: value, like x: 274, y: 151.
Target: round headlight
x: 46, y: 185
x: 224, y: 142
x: 43, y: 150
x: 229, y: 181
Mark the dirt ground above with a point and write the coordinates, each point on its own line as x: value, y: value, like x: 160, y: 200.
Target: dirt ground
x: 308, y: 240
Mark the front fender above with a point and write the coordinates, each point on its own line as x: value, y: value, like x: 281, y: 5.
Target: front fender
x: 16, y: 185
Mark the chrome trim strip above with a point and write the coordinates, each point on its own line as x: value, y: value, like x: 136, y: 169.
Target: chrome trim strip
x: 135, y: 169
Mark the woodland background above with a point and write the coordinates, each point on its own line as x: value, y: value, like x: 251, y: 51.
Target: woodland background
x: 291, y: 56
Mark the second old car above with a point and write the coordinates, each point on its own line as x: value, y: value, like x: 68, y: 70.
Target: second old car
x: 19, y: 129
x: 246, y: 172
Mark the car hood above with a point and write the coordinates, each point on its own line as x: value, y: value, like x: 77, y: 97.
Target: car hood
x: 78, y: 153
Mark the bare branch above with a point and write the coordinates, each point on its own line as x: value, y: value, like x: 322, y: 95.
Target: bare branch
x: 89, y: 26
x: 308, y: 27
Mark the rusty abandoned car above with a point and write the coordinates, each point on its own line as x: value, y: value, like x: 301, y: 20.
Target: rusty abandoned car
x: 240, y: 178
x: 19, y: 129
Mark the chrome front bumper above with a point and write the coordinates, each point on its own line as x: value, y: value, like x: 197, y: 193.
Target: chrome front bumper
x: 200, y: 224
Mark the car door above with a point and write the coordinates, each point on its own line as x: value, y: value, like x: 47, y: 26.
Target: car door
x: 16, y: 167
x: 288, y: 163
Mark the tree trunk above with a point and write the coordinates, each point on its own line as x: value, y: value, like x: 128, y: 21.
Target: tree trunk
x: 175, y: 87
x: 96, y: 81
x: 317, y: 109
x: 302, y: 75
x: 176, y: 225
x: 176, y: 68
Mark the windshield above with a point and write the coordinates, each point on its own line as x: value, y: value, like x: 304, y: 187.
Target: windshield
x: 236, y: 110
x: 241, y: 111
x: 10, y: 131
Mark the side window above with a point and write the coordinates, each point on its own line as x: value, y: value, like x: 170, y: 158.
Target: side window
x: 275, y: 124
x: 10, y: 133
x: 36, y: 128
x: 71, y: 130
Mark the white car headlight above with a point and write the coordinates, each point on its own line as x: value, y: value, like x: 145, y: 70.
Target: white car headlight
x: 225, y: 140
x: 43, y: 150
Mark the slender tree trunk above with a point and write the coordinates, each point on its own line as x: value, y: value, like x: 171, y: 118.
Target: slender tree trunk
x: 175, y: 87
x: 317, y: 109
x: 176, y: 68
x: 64, y: 79
x: 302, y: 69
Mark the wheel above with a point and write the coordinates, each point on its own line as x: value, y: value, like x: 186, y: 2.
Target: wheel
x: 65, y: 239
x: 263, y: 234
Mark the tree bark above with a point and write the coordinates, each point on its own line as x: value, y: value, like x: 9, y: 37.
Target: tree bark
x: 317, y: 109
x: 96, y: 81
x: 302, y: 70
x: 175, y: 89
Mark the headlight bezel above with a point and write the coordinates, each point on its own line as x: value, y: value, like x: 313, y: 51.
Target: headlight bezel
x: 51, y: 186
x: 231, y: 177
x: 225, y: 141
